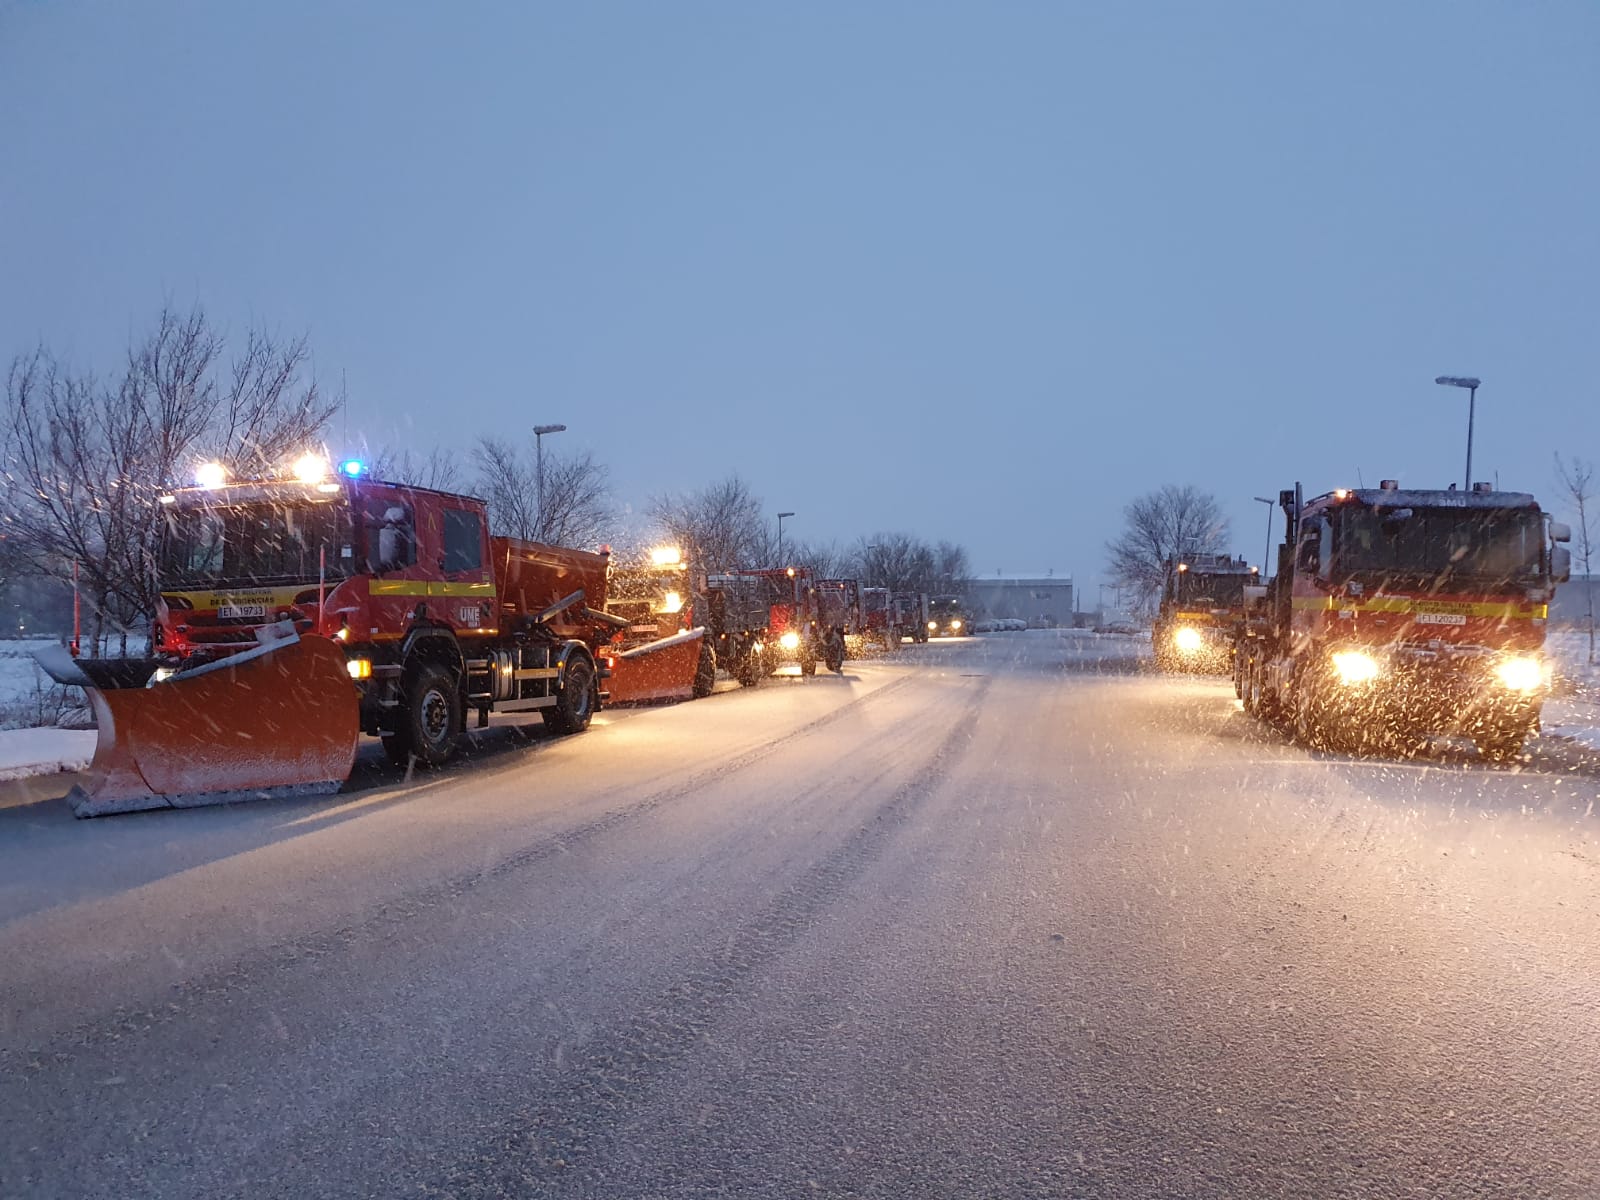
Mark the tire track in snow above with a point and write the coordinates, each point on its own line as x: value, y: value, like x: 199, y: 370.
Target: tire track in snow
x: 562, y: 1140
x: 391, y: 918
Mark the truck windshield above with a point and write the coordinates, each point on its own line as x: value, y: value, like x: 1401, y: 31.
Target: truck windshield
x: 1213, y: 591
x: 1493, y: 547
x: 945, y: 607
x: 254, y: 544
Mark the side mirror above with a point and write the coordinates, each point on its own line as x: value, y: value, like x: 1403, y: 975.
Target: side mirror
x: 1560, y: 531
x: 1560, y: 564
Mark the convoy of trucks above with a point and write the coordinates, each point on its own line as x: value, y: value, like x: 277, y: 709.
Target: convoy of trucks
x: 298, y: 612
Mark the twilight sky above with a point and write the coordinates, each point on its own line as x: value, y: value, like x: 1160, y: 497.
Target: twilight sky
x: 977, y: 271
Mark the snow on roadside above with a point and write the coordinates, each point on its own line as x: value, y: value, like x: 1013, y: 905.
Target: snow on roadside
x: 25, y: 752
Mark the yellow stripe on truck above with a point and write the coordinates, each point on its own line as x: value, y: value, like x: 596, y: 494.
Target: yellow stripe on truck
x: 1402, y: 604
x: 427, y: 587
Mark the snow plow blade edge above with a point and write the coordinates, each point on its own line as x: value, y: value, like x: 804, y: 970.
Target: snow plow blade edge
x: 281, y: 719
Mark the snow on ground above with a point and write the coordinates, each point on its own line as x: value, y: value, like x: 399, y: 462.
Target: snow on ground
x: 25, y: 752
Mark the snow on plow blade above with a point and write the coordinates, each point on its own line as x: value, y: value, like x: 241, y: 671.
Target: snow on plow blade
x: 280, y: 719
x: 660, y: 670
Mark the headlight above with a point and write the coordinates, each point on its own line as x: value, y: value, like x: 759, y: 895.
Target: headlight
x: 1356, y: 666
x: 162, y: 674
x: 933, y: 624
x: 790, y: 640
x: 1520, y: 674
x: 1188, y: 638
x: 359, y: 668
x: 672, y: 603
x: 955, y: 624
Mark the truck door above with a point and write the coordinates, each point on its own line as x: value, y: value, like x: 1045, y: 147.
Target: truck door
x: 466, y: 591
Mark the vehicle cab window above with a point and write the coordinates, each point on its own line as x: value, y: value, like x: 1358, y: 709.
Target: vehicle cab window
x: 463, y: 542
x: 391, y: 535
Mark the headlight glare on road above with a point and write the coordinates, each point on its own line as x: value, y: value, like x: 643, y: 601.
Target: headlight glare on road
x: 1356, y: 666
x: 1188, y: 639
x: 1523, y: 673
x: 790, y: 640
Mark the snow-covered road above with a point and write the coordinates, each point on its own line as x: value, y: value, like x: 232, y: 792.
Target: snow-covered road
x: 999, y: 917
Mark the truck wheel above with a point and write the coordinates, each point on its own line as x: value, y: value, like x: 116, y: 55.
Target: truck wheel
x: 835, y: 655
x: 574, y: 705
x: 430, y: 718
x: 808, y: 666
x: 705, y: 673
x: 748, y: 670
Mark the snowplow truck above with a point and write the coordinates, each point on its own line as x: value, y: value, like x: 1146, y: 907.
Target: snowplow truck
x: 295, y: 613
x: 760, y: 619
x: 1202, y: 613
x: 662, y: 652
x: 1395, y: 615
x: 908, y: 615
x: 947, y: 617
x: 877, y: 617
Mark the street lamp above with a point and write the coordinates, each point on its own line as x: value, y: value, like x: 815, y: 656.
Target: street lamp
x: 538, y: 457
x: 1265, y: 569
x: 781, y: 516
x: 1471, y: 384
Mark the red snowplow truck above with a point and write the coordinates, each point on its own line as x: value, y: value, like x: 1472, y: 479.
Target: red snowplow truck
x: 662, y: 652
x: 878, y: 617
x: 1202, y: 612
x: 1398, y: 614
x: 296, y: 612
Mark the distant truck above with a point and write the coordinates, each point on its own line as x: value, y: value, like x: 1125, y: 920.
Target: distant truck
x: 760, y: 619
x: 1398, y: 614
x: 908, y: 614
x: 948, y: 617
x: 1201, y: 614
x: 879, y: 617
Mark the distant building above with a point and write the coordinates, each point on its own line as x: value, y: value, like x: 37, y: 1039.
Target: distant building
x: 1038, y: 599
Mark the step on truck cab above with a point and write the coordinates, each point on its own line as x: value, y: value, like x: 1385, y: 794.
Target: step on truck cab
x: 1398, y: 614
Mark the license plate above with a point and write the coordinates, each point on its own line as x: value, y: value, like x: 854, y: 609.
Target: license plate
x: 1441, y: 618
x: 226, y: 611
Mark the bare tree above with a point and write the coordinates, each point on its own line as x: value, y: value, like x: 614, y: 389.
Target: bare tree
x: 88, y: 458
x: 1577, y: 484
x: 721, y: 527
x: 439, y: 469
x: 823, y: 559
x: 1160, y: 526
x: 577, y: 509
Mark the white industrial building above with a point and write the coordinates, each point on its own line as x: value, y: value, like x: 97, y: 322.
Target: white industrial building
x: 1042, y: 598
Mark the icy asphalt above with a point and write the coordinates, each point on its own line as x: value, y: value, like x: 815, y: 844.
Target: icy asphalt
x: 1006, y: 917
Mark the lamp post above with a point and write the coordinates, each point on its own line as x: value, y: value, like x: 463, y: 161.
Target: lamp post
x: 538, y: 459
x: 1265, y: 567
x: 869, y: 562
x: 781, y: 516
x: 1471, y: 384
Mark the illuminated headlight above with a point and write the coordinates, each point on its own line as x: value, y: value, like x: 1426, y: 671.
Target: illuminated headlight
x: 790, y: 640
x: 1520, y: 674
x: 359, y: 668
x: 1188, y: 638
x: 1356, y: 666
x: 162, y: 674
x: 933, y: 624
x: 956, y: 624
x: 672, y: 603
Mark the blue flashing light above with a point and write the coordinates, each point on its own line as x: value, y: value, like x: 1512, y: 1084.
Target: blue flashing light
x: 353, y: 467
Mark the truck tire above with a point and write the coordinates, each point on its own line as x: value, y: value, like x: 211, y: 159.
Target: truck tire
x: 748, y: 669
x: 705, y: 672
x: 574, y: 706
x: 430, y: 718
x: 808, y: 665
x: 834, y: 651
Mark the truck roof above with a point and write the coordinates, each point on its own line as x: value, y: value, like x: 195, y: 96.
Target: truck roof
x: 1424, y: 498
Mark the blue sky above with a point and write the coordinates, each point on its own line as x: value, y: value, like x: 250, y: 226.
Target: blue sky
x: 975, y: 271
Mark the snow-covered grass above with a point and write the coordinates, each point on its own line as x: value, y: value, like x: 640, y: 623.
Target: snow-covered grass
x: 29, y: 698
x: 25, y: 752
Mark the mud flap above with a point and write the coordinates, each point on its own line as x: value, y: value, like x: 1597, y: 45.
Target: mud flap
x: 281, y: 719
x: 659, y: 670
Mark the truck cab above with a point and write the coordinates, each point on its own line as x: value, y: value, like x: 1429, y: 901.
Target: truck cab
x: 1203, y: 605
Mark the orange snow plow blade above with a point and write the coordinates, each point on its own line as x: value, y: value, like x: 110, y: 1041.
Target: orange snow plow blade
x: 660, y: 670
x: 281, y: 719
